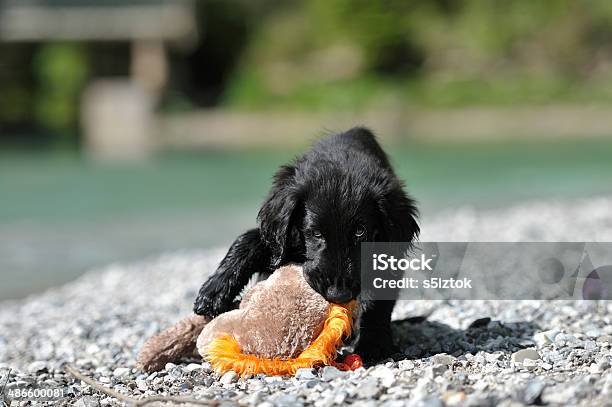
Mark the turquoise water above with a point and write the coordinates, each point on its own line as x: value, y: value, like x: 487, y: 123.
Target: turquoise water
x: 61, y: 214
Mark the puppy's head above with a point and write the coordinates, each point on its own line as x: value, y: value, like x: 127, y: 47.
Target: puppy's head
x: 324, y: 213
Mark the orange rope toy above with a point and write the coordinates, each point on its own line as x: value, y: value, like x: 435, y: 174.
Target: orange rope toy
x: 224, y: 352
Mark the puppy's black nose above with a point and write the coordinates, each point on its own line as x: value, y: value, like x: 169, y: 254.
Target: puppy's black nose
x: 338, y: 295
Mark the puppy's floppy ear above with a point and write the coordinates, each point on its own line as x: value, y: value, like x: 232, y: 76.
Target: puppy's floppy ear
x: 278, y: 214
x: 399, y: 215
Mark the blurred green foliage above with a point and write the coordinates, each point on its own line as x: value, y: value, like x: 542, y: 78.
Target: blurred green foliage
x: 61, y: 71
x: 338, y: 54
x: 351, y: 53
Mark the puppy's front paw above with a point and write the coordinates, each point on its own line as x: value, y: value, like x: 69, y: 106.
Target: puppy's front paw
x: 212, y: 304
x: 375, y: 346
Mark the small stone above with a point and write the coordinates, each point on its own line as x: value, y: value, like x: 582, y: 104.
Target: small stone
x: 121, y: 372
x: 593, y: 333
x: 339, y: 398
x: 530, y: 364
x: 305, y: 374
x: 142, y: 385
x: 443, y: 359
x: 603, y: 364
x: 87, y: 401
x: 368, y: 389
x: 523, y: 354
x: 329, y: 373
x: 192, y: 367
x: 37, y: 366
x: 480, y: 359
x: 405, y: 364
x: 541, y: 339
x: 385, y: 374
x: 175, y: 373
x: 453, y: 398
x: 547, y: 366
x: 426, y: 402
x: 562, y: 339
x: 107, y: 401
x: 594, y: 368
x: 480, y: 385
x: 492, y: 357
x: 287, y: 400
x: 531, y: 393
x: 558, y: 394
x: 254, y: 398
x: 604, y: 339
x: 436, y: 370
x: 229, y: 377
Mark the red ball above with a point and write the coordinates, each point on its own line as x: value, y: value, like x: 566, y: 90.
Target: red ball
x: 353, y: 361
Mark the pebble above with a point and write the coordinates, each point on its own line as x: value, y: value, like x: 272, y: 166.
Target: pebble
x: 385, y: 374
x: 121, y: 372
x: 87, y: 401
x: 531, y: 393
x: 339, y: 398
x: 544, y: 338
x: 443, y: 359
x: 37, y: 366
x: 368, y: 389
x: 305, y: 374
x: 229, y: 377
x: 565, y: 339
x: 426, y: 402
x: 453, y: 398
x: 605, y: 339
x: 405, y: 364
x: 523, y: 354
x: 329, y: 373
x: 142, y: 385
x: 192, y: 367
x: 530, y: 364
x: 436, y: 370
x: 287, y: 400
x: 546, y: 366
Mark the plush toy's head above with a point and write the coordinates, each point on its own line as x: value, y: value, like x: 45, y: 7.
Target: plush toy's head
x: 282, y: 325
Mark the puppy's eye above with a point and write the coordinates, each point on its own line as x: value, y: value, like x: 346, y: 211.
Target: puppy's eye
x: 360, y: 231
x: 317, y: 234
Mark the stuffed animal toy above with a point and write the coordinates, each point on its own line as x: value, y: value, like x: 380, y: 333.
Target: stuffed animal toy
x: 282, y: 325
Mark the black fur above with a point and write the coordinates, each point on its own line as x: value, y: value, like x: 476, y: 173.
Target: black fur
x: 340, y: 193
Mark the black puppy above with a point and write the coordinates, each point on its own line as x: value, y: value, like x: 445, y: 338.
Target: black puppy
x: 320, y: 208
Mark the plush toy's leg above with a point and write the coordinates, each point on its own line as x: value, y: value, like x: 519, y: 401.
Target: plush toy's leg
x: 247, y: 255
x: 375, y: 341
x: 172, y: 344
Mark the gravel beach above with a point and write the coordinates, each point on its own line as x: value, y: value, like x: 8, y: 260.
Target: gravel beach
x: 473, y: 353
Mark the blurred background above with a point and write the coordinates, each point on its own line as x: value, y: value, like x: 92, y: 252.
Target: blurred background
x: 133, y: 127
